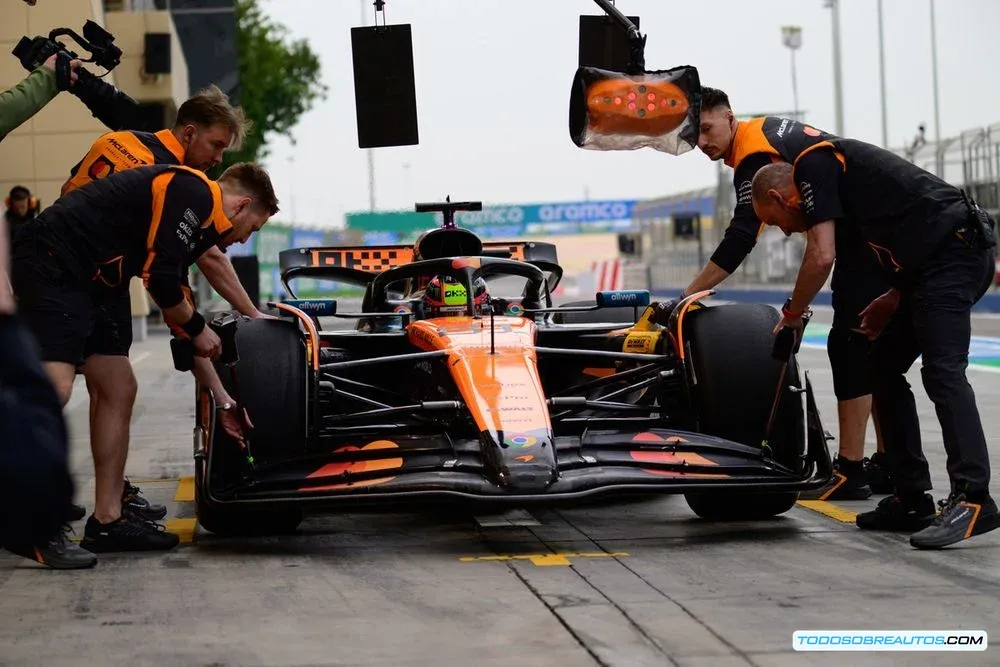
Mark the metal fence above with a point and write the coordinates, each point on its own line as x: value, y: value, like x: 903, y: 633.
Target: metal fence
x: 971, y: 160
x: 667, y: 261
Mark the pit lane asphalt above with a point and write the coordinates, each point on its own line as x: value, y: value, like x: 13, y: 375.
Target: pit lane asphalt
x: 629, y: 583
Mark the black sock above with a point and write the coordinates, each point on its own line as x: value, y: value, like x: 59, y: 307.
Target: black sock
x: 850, y: 468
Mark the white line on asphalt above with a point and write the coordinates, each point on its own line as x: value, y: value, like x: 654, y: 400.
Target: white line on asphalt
x: 509, y: 518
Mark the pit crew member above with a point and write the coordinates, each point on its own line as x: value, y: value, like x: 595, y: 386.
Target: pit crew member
x: 78, y: 256
x: 206, y: 126
x: 746, y: 146
x: 936, y: 249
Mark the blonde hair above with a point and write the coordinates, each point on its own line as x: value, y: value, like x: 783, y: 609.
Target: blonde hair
x: 250, y: 179
x: 210, y: 106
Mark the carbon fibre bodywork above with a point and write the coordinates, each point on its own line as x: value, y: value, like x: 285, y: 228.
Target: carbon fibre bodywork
x: 510, y: 409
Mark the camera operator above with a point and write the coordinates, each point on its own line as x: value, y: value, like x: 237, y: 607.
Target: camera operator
x: 107, y: 104
x: 36, y: 90
x: 35, y: 482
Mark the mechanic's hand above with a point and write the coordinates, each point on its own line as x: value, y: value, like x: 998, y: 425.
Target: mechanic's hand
x: 257, y: 315
x: 876, y: 316
x: 235, y: 426
x: 74, y: 65
x: 207, y: 344
x: 662, y: 311
x: 796, y: 323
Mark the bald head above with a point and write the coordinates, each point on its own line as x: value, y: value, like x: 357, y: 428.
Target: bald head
x: 775, y: 176
x: 775, y: 199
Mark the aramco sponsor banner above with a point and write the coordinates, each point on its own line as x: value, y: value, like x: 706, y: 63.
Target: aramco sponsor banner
x: 502, y: 221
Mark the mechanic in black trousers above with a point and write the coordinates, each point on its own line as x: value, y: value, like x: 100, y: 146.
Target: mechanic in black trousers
x: 936, y: 248
x: 746, y: 146
x: 80, y: 253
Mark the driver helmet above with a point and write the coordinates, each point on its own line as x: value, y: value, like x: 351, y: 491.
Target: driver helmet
x: 446, y: 296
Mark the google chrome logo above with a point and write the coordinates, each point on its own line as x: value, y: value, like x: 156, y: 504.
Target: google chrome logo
x: 523, y: 440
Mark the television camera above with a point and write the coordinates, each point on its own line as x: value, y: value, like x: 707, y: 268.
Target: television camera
x: 108, y: 104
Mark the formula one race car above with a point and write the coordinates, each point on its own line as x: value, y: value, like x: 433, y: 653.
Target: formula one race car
x: 457, y: 379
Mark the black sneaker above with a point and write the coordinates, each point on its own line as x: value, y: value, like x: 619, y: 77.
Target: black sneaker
x: 127, y: 533
x: 134, y: 503
x: 878, y: 475
x: 958, y: 520
x: 59, y: 554
x: 910, y: 513
x: 848, y: 483
x: 75, y: 512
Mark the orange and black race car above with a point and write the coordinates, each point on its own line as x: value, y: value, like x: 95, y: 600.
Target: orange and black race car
x: 456, y: 378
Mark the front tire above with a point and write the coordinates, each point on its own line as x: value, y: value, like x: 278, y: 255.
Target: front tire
x: 734, y: 383
x: 738, y: 505
x: 272, y: 378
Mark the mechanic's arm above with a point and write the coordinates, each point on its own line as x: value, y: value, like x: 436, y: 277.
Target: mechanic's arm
x: 204, y: 372
x: 817, y: 177
x: 222, y: 277
x: 741, y: 235
x: 234, y: 425
x: 187, y: 203
x: 817, y: 263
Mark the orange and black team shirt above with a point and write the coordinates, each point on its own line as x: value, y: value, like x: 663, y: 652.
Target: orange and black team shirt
x: 757, y: 143
x: 118, y: 151
x: 143, y: 222
x: 879, y: 200
x: 893, y: 207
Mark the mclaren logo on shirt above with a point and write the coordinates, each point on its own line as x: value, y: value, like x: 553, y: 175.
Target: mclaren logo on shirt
x: 121, y: 148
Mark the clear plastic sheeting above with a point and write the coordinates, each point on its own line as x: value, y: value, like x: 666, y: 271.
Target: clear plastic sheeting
x: 614, y: 111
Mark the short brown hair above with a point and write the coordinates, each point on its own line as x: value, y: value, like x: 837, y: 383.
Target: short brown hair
x: 210, y: 106
x: 713, y: 98
x: 250, y: 179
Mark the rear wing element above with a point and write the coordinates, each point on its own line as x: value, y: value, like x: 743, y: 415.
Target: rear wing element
x: 360, y: 264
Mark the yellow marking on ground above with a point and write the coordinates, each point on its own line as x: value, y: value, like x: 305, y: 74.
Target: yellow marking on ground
x: 545, y: 560
x: 185, y: 490
x: 830, y: 510
x: 184, y: 528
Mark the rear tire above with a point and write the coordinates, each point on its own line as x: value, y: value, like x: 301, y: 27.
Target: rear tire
x: 736, y: 379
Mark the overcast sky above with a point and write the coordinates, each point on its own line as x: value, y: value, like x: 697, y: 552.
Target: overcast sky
x: 493, y: 79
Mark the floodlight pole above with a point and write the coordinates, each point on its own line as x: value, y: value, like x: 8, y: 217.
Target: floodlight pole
x: 371, y: 155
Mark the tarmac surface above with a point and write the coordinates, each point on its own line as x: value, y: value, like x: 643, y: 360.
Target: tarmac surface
x: 630, y: 583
